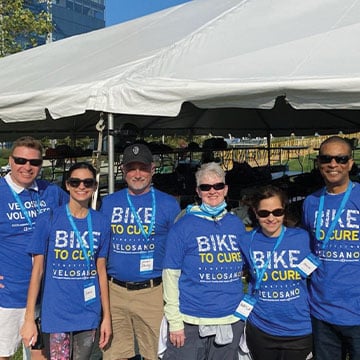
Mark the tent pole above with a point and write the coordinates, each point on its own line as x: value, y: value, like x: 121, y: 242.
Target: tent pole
x: 268, y: 141
x: 96, y: 159
x: 111, y: 153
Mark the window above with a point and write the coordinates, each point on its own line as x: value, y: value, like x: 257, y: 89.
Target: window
x: 69, y: 4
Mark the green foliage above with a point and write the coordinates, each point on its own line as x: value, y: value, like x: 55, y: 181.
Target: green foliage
x: 19, y: 27
x: 18, y: 355
x: 3, y: 161
x: 83, y: 143
x: 4, y: 156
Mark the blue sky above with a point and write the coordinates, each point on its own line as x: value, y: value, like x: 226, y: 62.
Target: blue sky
x: 117, y: 11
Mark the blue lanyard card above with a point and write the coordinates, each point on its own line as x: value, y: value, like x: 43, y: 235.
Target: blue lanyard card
x: 147, y: 263
x: 308, y: 265
x: 245, y: 307
x: 89, y: 292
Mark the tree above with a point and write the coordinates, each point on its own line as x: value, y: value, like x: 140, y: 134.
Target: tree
x: 19, y: 27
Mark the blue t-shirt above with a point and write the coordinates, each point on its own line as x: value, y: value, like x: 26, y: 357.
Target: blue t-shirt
x: 335, y: 286
x: 282, y: 307
x: 128, y: 244
x: 208, y: 253
x: 67, y: 272
x: 16, y: 232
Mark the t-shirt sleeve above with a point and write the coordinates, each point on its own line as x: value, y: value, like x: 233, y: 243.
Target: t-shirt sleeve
x: 105, y: 241
x: 173, y: 210
x: 304, y: 217
x: 174, y: 253
x: 306, y: 241
x: 40, y: 236
x: 244, y: 242
x: 63, y: 197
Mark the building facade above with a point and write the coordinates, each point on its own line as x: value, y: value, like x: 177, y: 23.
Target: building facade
x: 70, y: 17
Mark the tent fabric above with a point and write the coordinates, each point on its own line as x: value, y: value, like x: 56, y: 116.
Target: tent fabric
x: 209, y: 53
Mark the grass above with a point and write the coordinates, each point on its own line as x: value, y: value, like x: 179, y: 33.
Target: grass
x: 18, y: 355
x: 307, y: 162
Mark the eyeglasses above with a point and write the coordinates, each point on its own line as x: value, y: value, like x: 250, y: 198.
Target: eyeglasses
x: 23, y: 161
x: 75, y: 182
x: 326, y: 159
x: 266, y: 213
x: 207, y: 187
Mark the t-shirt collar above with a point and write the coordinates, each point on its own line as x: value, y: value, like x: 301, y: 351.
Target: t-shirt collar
x: 17, y: 188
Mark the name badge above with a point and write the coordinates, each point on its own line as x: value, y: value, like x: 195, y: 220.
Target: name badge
x: 245, y: 307
x: 89, y: 292
x: 146, y: 263
x: 308, y: 265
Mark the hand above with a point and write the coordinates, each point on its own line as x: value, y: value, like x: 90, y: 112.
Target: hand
x: 105, y: 332
x: 177, y: 338
x: 1, y: 285
x: 29, y: 333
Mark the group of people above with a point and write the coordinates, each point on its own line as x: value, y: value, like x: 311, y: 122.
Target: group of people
x: 138, y: 266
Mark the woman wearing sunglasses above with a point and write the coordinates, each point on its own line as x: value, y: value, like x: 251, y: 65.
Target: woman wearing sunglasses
x: 279, y: 260
x: 70, y: 246
x: 202, y: 275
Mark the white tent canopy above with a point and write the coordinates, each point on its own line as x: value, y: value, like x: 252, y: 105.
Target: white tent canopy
x: 215, y: 54
x: 208, y: 54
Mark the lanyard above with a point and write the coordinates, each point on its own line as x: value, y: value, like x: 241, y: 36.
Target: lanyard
x: 78, y: 236
x: 261, y: 271
x: 336, y: 218
x: 137, y: 217
x: 22, y: 207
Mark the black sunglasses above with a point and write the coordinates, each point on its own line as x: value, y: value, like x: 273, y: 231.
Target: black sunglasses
x: 326, y: 159
x: 23, y: 161
x: 75, y: 182
x: 266, y: 213
x: 207, y: 187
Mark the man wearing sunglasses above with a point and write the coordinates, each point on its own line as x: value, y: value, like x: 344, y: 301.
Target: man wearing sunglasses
x: 332, y: 215
x: 141, y: 217
x: 22, y: 199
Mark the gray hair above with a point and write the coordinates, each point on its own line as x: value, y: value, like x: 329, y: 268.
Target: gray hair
x: 207, y: 169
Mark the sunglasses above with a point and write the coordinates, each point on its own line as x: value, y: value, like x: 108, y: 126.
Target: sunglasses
x: 326, y: 159
x: 207, y: 187
x: 266, y: 213
x: 75, y: 182
x: 23, y: 161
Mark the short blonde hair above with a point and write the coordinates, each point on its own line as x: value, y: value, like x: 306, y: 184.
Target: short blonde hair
x: 29, y: 142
